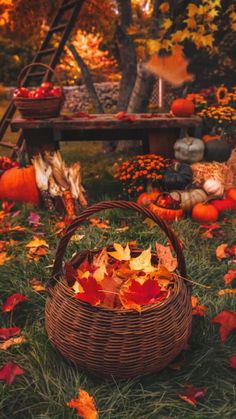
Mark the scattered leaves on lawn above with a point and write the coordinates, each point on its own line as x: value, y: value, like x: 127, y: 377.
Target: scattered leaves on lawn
x: 34, y: 219
x: 4, y: 258
x: 9, y: 372
x: 12, y: 301
x: 225, y: 291
x: 232, y: 361
x: 191, y: 394
x: 197, y: 310
x: 36, y: 242
x: 7, y: 333
x: 12, y: 341
x: 230, y: 276
x: 211, y: 231
x: 227, y: 320
x: 84, y: 404
x: 165, y: 257
x: 37, y: 285
x: 220, y: 251
x: 35, y: 253
x: 96, y: 222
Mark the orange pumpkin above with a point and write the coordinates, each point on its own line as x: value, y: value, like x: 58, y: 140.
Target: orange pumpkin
x: 231, y: 193
x: 167, y: 207
x: 182, y: 107
x: 19, y: 184
x: 205, y: 212
x: 209, y: 137
x: 146, y: 198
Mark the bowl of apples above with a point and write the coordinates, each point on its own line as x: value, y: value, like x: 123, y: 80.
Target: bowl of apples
x: 41, y: 102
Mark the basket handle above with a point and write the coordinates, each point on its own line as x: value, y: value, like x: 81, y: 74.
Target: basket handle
x: 37, y: 64
x: 60, y: 252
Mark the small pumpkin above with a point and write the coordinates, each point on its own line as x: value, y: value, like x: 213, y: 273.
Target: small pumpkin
x: 231, y: 193
x: 177, y: 176
x: 209, y: 137
x: 182, y: 107
x: 213, y: 187
x: 217, y: 150
x: 19, y: 184
x: 167, y: 208
x: 189, y: 197
x: 225, y: 204
x: 189, y: 149
x: 146, y: 198
x: 205, y: 212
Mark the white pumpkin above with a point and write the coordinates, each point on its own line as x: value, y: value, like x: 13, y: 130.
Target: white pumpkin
x: 213, y: 187
x: 189, y: 197
x: 189, y: 149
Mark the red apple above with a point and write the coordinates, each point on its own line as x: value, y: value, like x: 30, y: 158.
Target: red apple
x: 47, y: 85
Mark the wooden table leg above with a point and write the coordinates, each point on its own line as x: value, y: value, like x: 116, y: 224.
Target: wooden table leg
x: 39, y: 141
x: 162, y: 141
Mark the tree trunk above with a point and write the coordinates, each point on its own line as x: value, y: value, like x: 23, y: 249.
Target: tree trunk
x: 142, y: 91
x: 87, y: 80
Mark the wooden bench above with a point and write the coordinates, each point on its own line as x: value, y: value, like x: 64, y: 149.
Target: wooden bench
x: 158, y: 133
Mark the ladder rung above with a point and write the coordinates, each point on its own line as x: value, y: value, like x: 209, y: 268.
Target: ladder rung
x: 36, y: 74
x: 58, y: 28
x: 7, y: 145
x: 47, y: 51
x: 68, y: 6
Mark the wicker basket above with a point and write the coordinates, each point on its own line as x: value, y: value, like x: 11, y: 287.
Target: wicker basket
x: 38, y: 108
x: 121, y: 343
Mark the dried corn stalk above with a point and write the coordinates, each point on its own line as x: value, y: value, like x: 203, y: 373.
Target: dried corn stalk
x: 230, y: 181
x: 204, y: 171
x: 42, y: 174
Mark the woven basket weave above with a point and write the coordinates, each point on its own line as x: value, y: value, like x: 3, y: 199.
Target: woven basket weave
x: 38, y: 108
x: 121, y: 343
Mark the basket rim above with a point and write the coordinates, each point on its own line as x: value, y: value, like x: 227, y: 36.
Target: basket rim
x: 38, y: 99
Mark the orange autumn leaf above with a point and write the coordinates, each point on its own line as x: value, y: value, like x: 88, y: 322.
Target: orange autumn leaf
x: 120, y: 253
x: 36, y: 252
x: 191, y: 394
x: 165, y: 257
x: 172, y: 68
x: 220, y: 251
x: 84, y: 405
x: 227, y: 320
x: 230, y: 276
x: 197, y: 310
x: 226, y: 291
x: 36, y: 285
x: 96, y: 222
x: 12, y: 341
x: 36, y: 242
x: 4, y: 258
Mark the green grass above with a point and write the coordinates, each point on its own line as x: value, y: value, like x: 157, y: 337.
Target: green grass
x: 50, y: 381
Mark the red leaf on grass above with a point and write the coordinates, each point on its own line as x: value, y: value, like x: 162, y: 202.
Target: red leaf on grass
x: 227, y: 320
x: 232, y: 361
x: 230, y: 276
x: 93, y: 292
x: 34, y: 219
x: 9, y: 371
x: 12, y: 301
x: 137, y: 294
x: 6, y: 333
x: 191, y: 394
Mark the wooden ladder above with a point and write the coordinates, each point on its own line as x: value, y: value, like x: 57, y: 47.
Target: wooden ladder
x: 61, y: 27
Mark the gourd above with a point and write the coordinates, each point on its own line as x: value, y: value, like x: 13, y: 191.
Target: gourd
x: 19, y: 184
x: 182, y: 107
x: 146, y: 198
x: 217, y: 150
x: 177, y: 176
x: 189, y: 198
x: 231, y: 193
x: 205, y: 213
x: 167, y: 208
x: 189, y: 149
x: 213, y: 187
x: 224, y: 204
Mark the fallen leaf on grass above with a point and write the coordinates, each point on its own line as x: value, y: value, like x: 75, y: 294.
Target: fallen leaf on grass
x: 3, y: 245
x: 227, y: 320
x: 12, y: 341
x: 36, y: 285
x: 212, y: 230
x: 230, y: 276
x: 122, y: 229
x: 4, y: 258
x: 9, y: 372
x: 34, y: 219
x: 149, y: 223
x: 197, y: 310
x: 36, y: 252
x: 85, y: 405
x: 77, y: 237
x: 191, y: 394
x: 232, y: 361
x: 120, y: 253
x: 8, y: 332
x: 36, y: 242
x: 225, y: 291
x: 166, y: 258
x: 99, y: 223
x: 220, y: 251
x: 12, y: 301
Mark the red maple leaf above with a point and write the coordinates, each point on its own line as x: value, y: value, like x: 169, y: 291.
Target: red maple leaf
x: 230, y: 276
x: 12, y: 301
x: 141, y: 294
x: 232, y: 361
x: 93, y: 292
x: 227, y: 320
x: 9, y: 371
x: 6, y: 333
x: 191, y: 394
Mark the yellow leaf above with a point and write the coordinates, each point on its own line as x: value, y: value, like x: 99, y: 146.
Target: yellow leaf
x: 192, y: 10
x: 142, y: 262
x: 36, y: 285
x: 220, y: 251
x: 213, y: 13
x: 180, y: 36
x: 12, y: 341
x: 153, y: 45
x: 37, y: 242
x: 120, y: 252
x: 207, y: 41
x: 4, y: 258
x: 167, y: 23
x: 165, y: 257
x: 77, y: 287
